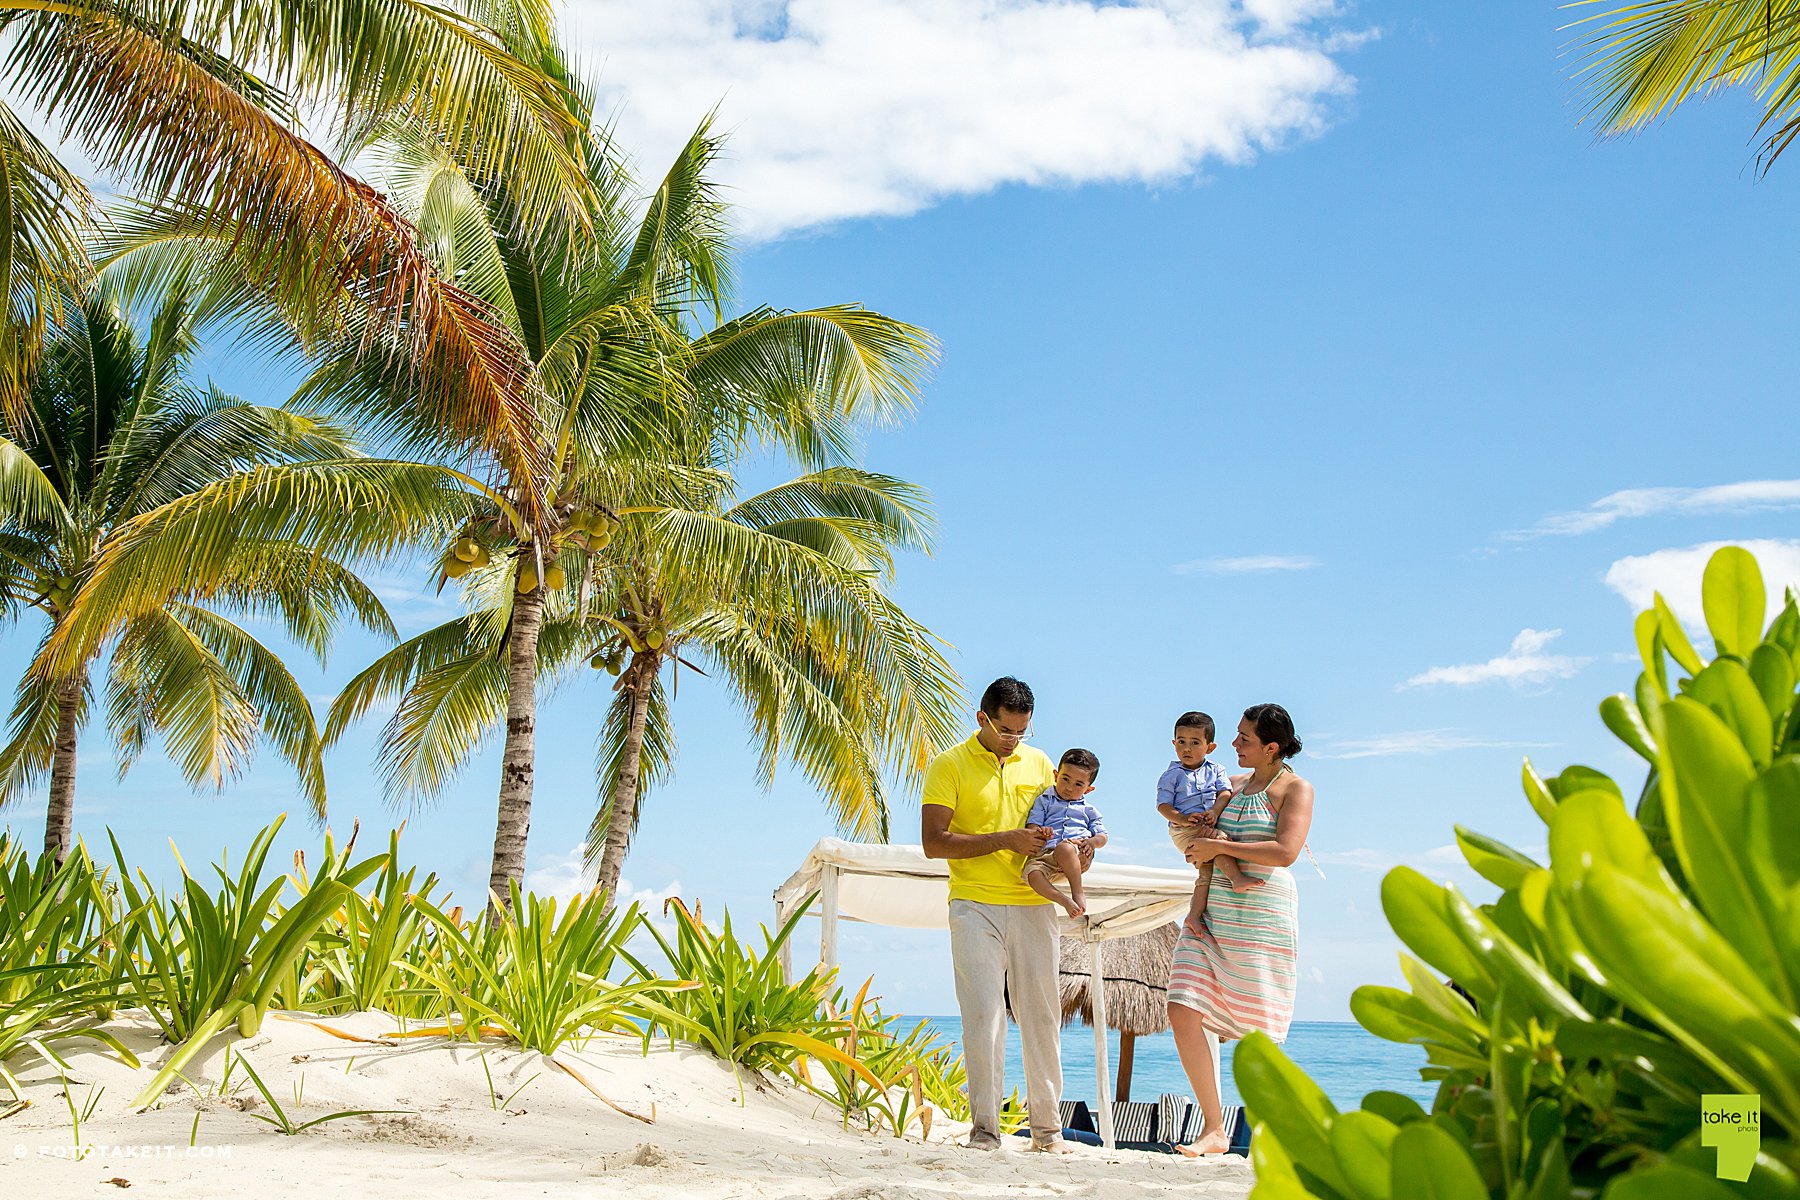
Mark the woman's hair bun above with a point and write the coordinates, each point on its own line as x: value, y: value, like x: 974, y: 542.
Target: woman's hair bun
x: 1274, y: 727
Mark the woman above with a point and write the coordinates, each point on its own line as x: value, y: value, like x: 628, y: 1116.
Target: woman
x: 1237, y: 973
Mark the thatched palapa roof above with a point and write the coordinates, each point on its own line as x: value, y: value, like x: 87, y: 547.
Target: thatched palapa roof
x: 1137, y: 980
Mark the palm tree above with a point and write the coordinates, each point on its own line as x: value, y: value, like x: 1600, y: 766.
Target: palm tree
x: 1649, y: 58
x: 605, y: 322
x: 118, y: 433
x: 194, y: 105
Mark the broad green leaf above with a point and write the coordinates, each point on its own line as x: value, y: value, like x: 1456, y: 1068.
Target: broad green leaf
x: 1360, y: 1141
x: 1577, y: 778
x: 1296, y: 1108
x: 1520, y: 974
x: 1449, y: 1005
x: 1784, y: 630
x: 1666, y: 1181
x: 1612, y: 1042
x: 1708, y: 818
x: 1430, y: 1165
x: 1594, y: 828
x: 1275, y: 1176
x: 1668, y: 627
x: 1732, y: 595
x: 1494, y: 861
x: 1396, y: 1107
x: 1542, y: 802
x: 1727, y: 689
x: 1675, y: 968
x: 1772, y: 843
x: 1416, y: 909
x: 1650, y: 702
x: 1770, y: 1177
x: 1402, y: 1017
x: 1541, y: 1129
x: 1645, y: 629
x: 1552, y: 1182
x: 1772, y: 670
x: 1620, y: 712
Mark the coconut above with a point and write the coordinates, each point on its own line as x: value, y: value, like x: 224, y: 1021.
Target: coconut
x: 554, y: 577
x: 466, y: 549
x: 599, y: 537
x: 65, y: 582
x: 482, y: 558
x: 654, y: 639
x: 528, y: 580
x: 456, y: 568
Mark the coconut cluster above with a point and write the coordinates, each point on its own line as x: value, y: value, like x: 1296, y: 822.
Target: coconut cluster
x: 465, y: 555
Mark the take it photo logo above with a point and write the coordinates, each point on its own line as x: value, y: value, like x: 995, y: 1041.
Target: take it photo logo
x: 1734, y: 1125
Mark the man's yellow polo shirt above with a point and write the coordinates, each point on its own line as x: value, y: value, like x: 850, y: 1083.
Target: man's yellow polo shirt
x: 985, y: 795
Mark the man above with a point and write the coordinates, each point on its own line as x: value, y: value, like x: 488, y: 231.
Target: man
x: 1003, y: 936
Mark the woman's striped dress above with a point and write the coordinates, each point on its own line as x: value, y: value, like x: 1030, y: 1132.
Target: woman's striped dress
x: 1240, y: 975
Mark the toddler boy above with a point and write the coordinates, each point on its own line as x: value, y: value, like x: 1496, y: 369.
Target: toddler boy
x: 1073, y: 824
x: 1191, y: 794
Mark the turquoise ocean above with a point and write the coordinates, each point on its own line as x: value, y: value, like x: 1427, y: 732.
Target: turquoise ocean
x: 1341, y: 1056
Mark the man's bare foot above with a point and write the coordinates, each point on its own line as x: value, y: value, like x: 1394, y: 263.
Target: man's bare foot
x: 1244, y: 883
x: 1214, y: 1142
x: 1055, y: 1145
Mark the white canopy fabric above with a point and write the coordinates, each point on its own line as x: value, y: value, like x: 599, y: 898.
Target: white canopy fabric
x: 897, y: 885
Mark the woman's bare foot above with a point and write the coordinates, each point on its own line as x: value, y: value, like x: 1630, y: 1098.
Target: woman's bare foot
x: 1209, y: 1142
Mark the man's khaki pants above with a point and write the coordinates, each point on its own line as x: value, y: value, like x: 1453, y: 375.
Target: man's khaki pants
x: 1001, y: 950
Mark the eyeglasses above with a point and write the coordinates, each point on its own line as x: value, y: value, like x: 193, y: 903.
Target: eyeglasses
x: 1005, y: 736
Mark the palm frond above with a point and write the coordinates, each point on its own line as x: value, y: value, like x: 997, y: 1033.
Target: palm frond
x: 31, y: 742
x: 394, y: 672
x: 283, y: 710
x: 348, y: 510
x: 27, y: 497
x: 809, y: 380
x: 164, y: 678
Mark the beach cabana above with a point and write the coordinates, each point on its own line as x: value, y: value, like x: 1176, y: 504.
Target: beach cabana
x: 897, y: 885
x: 1137, y: 990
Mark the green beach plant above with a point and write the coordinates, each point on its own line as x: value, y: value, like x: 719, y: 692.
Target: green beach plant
x: 908, y: 1070
x: 58, y: 969
x: 739, y: 1006
x: 536, y: 977
x: 200, y: 962
x: 1656, y: 959
x: 284, y: 1123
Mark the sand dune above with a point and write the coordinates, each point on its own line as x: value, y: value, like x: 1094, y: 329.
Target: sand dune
x: 554, y: 1137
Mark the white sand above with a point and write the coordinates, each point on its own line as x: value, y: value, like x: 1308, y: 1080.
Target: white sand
x: 557, y: 1138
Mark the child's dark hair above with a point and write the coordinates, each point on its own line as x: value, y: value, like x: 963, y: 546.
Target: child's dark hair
x: 1274, y: 727
x: 1085, y: 759
x: 1196, y: 720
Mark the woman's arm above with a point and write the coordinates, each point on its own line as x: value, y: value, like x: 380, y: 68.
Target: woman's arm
x: 1291, y: 826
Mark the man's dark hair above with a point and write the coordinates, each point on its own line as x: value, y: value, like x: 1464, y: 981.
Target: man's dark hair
x: 1084, y: 759
x: 1008, y: 693
x: 1197, y: 720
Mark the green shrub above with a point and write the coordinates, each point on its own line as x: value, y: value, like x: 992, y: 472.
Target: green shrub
x: 200, y: 962
x: 908, y: 1070
x: 535, y: 977
x: 1655, y: 959
x: 739, y: 1006
x: 57, y: 979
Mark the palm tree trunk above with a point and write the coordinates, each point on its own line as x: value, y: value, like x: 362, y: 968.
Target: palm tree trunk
x: 59, y: 821
x: 625, y: 791
x: 517, y: 763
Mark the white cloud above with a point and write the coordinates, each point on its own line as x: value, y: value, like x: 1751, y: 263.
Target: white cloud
x: 564, y: 876
x: 1420, y: 741
x: 1676, y: 573
x: 1752, y: 496
x: 851, y: 108
x: 1525, y: 662
x: 1249, y: 565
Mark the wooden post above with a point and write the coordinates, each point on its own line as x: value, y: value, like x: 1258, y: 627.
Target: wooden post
x: 785, y: 955
x: 1097, y: 997
x: 1127, y: 1047
x: 828, y: 917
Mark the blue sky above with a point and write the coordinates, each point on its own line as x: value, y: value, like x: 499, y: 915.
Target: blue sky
x: 1303, y: 417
